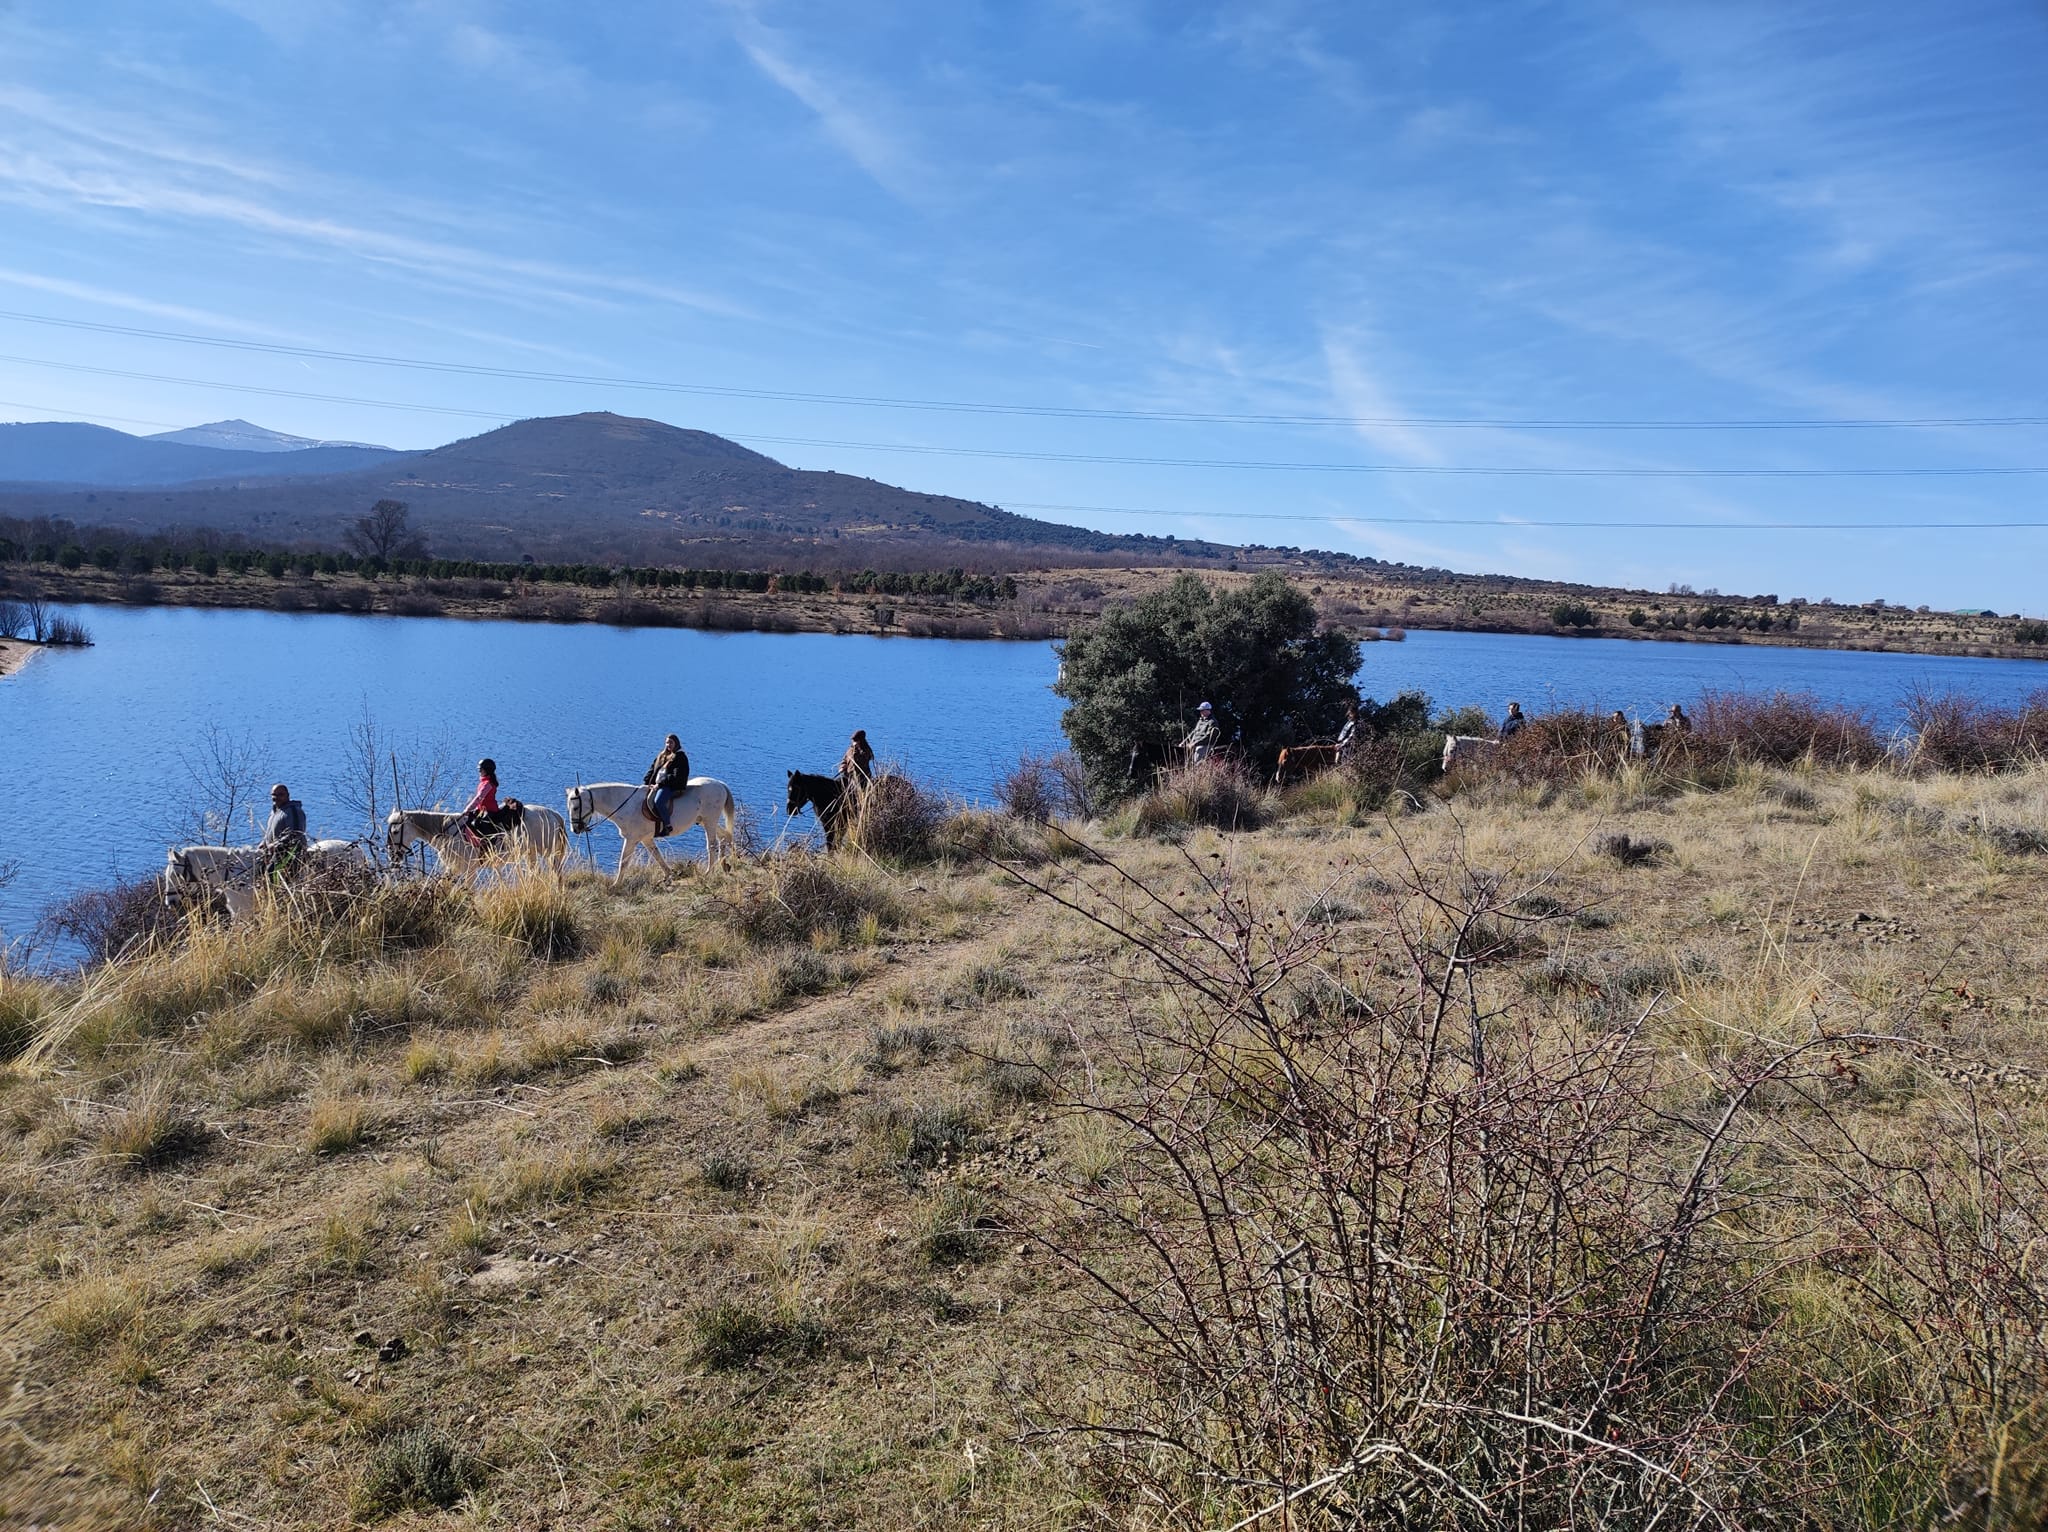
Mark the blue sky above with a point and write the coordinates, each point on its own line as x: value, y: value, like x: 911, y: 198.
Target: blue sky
x: 1352, y: 212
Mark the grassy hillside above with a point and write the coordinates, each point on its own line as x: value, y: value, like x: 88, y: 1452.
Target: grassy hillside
x: 825, y: 1193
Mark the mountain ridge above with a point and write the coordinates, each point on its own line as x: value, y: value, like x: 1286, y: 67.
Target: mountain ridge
x: 238, y: 435
x: 595, y: 485
x: 74, y: 454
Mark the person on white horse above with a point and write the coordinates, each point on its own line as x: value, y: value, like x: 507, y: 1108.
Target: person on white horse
x: 669, y: 775
x: 484, y: 819
x: 284, y: 837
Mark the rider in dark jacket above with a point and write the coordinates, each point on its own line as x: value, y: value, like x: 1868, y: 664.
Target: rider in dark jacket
x: 669, y: 775
x: 284, y: 837
x: 857, y: 766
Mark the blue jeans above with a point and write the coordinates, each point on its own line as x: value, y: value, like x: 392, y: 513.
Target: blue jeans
x: 660, y: 802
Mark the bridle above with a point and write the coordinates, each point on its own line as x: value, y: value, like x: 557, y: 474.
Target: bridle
x: 579, y: 814
x: 395, y: 833
x: 177, y: 878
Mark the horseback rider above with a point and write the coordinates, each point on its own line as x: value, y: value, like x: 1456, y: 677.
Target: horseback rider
x: 1203, y: 738
x: 284, y: 836
x: 1677, y: 721
x: 857, y: 766
x: 669, y: 775
x: 1347, y: 737
x: 1511, y: 725
x: 481, y: 816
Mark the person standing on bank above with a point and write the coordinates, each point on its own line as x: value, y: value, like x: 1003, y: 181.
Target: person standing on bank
x: 669, y: 775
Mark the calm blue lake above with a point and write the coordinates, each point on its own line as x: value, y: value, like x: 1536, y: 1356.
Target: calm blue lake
x: 93, y: 739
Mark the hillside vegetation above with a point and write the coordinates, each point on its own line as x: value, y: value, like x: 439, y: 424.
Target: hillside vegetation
x: 1581, y: 1144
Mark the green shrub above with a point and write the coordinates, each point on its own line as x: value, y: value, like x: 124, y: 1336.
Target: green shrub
x: 732, y: 1335
x: 957, y: 1224
x: 419, y: 1469
x: 727, y: 1172
x: 1573, y: 614
x: 1132, y: 678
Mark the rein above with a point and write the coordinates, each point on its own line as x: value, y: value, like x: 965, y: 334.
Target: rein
x: 607, y: 815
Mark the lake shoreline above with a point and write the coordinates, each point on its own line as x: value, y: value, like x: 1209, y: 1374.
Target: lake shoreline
x: 15, y: 653
x: 1032, y: 618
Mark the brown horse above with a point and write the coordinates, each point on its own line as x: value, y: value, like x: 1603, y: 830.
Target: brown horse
x: 1298, y: 761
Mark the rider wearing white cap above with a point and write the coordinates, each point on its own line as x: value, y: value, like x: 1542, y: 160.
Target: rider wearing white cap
x: 1203, y: 738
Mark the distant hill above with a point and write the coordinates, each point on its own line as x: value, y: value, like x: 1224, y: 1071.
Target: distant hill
x: 71, y: 453
x: 593, y: 487
x: 241, y: 436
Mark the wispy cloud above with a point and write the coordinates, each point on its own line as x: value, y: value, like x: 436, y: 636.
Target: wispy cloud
x: 1889, y: 143
x: 1360, y: 394
x: 855, y: 128
x: 134, y: 303
x: 81, y: 162
x: 526, y: 62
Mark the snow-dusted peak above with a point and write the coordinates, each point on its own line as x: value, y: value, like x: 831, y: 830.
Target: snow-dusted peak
x: 241, y: 436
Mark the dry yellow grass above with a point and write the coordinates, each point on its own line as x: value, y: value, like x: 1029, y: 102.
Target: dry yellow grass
x: 682, y: 1219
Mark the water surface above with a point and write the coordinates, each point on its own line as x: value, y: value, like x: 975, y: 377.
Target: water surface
x: 92, y: 739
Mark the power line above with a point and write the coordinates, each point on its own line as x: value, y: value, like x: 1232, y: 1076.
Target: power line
x: 126, y: 420
x: 1264, y: 465
x: 250, y: 388
x: 1505, y: 525
x: 1054, y: 411
x: 1113, y: 459
x: 1414, y: 521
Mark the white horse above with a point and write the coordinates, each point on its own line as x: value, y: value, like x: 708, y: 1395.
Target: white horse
x: 704, y: 801
x: 539, y: 837
x: 1469, y: 750
x: 193, y: 874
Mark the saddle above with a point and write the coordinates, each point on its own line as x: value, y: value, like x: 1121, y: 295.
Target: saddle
x: 504, y: 818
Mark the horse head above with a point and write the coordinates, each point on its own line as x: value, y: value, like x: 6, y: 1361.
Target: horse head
x: 179, y: 881
x: 394, y: 834
x: 579, y: 811
x: 796, y: 794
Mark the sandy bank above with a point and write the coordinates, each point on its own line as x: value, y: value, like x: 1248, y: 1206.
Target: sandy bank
x: 15, y: 653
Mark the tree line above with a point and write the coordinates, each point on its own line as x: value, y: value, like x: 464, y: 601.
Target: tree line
x: 382, y: 543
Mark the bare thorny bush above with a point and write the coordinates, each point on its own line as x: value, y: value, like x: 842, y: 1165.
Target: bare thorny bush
x: 1379, y: 1252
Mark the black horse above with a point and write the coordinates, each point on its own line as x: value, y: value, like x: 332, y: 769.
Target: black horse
x: 825, y: 796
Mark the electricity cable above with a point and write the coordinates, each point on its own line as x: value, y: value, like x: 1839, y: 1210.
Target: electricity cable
x: 1018, y: 454
x: 1053, y: 411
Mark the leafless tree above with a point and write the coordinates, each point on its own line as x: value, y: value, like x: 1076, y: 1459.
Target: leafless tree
x: 374, y: 764
x: 385, y: 533
x: 225, y: 774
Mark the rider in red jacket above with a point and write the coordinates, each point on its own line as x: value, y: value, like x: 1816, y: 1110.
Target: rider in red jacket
x: 479, y: 815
